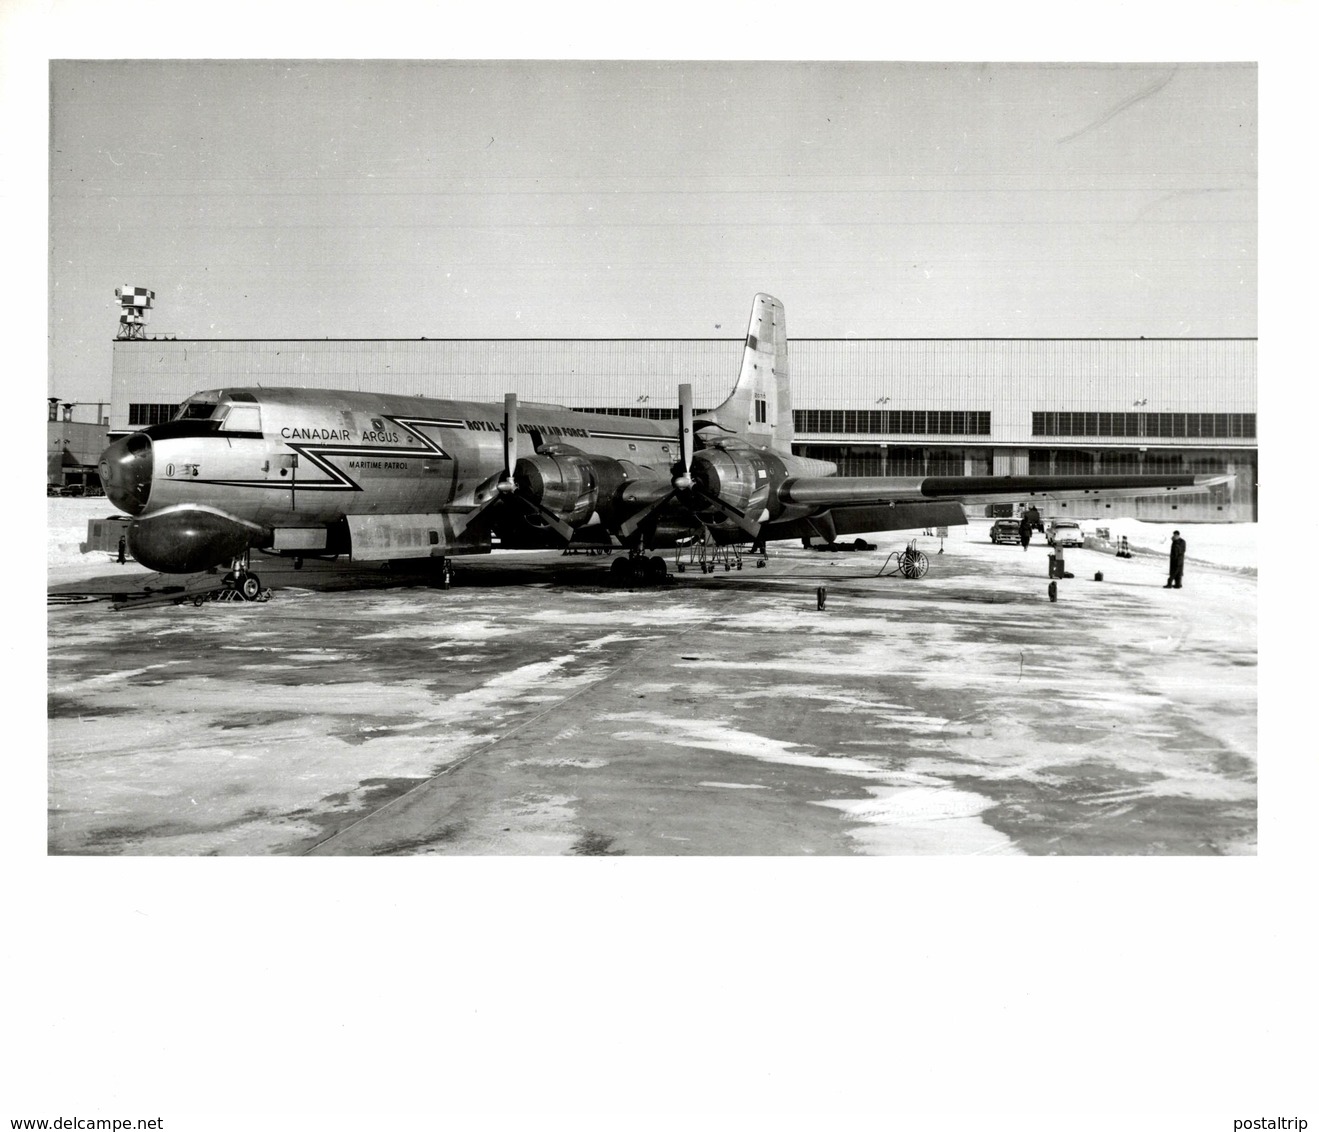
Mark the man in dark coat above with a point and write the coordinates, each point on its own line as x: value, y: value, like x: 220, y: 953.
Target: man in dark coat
x: 1176, y: 558
x: 1023, y: 530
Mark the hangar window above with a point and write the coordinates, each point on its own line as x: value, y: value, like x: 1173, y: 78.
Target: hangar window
x: 144, y: 414
x: 905, y: 422
x: 1215, y: 425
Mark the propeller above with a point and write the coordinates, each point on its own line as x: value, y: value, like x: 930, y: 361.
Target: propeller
x: 683, y: 484
x: 505, y: 488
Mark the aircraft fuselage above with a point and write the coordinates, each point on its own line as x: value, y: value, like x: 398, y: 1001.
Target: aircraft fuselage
x: 291, y: 468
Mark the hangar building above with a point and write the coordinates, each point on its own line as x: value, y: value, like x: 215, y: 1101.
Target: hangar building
x: 876, y: 406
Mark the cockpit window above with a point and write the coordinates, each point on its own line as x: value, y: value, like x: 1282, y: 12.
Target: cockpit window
x: 196, y: 409
x: 241, y: 418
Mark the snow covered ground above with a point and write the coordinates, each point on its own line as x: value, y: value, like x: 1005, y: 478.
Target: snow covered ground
x: 963, y: 714
x: 1234, y: 545
x: 66, y: 528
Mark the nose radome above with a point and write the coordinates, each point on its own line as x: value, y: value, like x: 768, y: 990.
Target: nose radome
x: 125, y: 469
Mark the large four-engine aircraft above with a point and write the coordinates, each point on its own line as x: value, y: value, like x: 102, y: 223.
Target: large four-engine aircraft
x: 319, y: 472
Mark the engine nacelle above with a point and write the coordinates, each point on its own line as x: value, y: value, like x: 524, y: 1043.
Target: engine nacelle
x: 742, y: 478
x: 565, y: 484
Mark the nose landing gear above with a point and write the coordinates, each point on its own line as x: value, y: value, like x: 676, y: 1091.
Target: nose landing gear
x: 242, y: 583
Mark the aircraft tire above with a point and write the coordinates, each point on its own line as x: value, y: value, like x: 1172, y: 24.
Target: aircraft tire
x: 656, y: 570
x: 621, y: 571
x: 249, y: 585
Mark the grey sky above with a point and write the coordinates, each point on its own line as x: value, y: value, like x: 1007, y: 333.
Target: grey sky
x: 468, y: 199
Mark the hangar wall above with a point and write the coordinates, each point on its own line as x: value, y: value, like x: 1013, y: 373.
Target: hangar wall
x: 874, y: 406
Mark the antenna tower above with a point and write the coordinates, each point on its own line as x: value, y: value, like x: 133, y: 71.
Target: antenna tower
x: 136, y: 304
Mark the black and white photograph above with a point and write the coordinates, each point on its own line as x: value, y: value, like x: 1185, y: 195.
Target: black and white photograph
x: 594, y: 561
x: 743, y: 536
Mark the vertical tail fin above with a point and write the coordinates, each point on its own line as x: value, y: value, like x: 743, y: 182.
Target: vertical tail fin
x: 759, y: 409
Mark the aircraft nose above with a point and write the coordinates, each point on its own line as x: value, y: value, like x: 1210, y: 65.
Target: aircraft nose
x: 125, y: 469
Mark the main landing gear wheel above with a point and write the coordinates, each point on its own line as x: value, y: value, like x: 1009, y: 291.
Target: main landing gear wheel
x: 650, y: 571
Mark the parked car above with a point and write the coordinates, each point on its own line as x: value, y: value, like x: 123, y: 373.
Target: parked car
x: 72, y: 489
x: 1005, y: 530
x: 1063, y: 532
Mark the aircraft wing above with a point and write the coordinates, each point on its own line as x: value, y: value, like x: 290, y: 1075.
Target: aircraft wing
x: 871, y: 491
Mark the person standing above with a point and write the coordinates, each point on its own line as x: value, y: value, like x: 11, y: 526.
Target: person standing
x: 1176, y: 560
x: 1023, y: 530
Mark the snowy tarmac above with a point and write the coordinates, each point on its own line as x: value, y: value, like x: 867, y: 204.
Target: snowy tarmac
x: 534, y: 709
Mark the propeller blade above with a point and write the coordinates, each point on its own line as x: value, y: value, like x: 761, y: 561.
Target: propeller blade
x: 682, y: 479
x: 506, y: 484
x: 557, y: 525
x: 628, y: 526
x: 739, y: 517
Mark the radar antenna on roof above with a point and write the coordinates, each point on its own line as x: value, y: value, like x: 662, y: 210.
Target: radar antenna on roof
x: 136, y: 304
